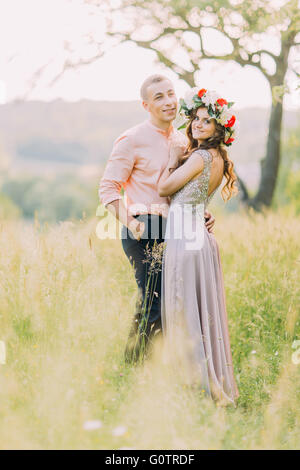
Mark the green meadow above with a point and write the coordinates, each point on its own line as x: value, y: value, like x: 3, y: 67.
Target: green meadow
x: 66, y: 303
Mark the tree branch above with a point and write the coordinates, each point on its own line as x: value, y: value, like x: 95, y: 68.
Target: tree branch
x: 71, y: 65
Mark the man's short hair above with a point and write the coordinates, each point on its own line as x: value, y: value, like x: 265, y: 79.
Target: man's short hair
x: 152, y: 79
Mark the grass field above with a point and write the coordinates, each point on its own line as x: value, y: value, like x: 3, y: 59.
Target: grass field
x: 66, y: 301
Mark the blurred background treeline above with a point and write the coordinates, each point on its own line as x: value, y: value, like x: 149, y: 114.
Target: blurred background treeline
x: 53, y: 155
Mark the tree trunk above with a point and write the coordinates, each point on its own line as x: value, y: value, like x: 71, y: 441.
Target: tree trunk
x: 270, y: 164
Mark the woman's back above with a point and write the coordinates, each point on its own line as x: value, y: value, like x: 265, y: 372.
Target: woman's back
x: 202, y: 187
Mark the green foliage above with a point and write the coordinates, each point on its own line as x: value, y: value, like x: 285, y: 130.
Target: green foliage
x: 44, y: 149
x: 293, y: 189
x: 53, y: 200
x: 240, y: 22
x: 8, y: 209
x: 23, y: 328
x: 288, y: 187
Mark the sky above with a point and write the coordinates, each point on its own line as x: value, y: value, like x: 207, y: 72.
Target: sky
x: 33, y: 34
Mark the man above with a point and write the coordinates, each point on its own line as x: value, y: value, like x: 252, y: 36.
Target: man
x: 138, y: 158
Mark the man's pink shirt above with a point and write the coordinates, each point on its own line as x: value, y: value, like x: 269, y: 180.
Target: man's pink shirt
x: 138, y: 158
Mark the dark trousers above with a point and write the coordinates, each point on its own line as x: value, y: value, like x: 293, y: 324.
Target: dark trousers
x: 145, y: 256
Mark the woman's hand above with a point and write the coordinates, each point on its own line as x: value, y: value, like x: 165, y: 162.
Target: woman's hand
x: 176, y: 151
x: 137, y: 228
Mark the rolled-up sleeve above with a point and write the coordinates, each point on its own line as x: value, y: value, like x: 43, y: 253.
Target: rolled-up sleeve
x: 117, y: 171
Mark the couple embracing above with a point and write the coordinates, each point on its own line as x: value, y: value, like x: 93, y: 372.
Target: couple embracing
x: 168, y: 179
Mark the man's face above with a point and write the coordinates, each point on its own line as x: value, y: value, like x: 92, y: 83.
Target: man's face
x: 162, y: 101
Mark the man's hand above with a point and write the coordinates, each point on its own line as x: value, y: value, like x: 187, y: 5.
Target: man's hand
x: 137, y: 228
x: 209, y: 221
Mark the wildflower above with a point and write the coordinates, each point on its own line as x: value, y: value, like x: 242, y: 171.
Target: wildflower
x: 296, y: 357
x: 154, y: 256
x: 92, y: 425
x: 119, y: 431
x: 2, y: 353
x: 70, y: 394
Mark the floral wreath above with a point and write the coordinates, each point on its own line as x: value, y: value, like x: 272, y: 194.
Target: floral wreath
x: 217, y: 108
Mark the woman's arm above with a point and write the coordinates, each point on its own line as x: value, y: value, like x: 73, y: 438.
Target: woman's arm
x: 169, y: 183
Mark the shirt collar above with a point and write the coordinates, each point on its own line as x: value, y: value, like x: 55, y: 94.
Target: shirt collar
x: 166, y: 133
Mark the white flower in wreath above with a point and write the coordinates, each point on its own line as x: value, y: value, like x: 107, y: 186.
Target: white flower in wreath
x: 210, y: 98
x: 235, y: 129
x: 188, y: 97
x: 225, y: 116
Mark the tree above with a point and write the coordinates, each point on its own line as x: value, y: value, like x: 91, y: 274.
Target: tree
x: 155, y: 24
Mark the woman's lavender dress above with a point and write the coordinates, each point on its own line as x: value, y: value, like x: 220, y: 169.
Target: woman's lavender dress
x: 194, y: 316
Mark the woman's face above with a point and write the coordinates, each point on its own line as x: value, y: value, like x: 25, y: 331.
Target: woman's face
x: 203, y: 126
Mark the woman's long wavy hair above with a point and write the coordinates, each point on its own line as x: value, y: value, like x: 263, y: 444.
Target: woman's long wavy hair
x: 216, y: 141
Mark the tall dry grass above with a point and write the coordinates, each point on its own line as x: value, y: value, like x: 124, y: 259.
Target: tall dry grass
x: 66, y: 302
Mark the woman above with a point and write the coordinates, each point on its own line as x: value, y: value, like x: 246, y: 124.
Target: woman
x: 194, y: 316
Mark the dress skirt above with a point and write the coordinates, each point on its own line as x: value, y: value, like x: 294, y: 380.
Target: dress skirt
x: 194, y: 316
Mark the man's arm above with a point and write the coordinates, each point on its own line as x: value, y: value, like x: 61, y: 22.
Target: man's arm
x: 118, y: 209
x: 117, y: 171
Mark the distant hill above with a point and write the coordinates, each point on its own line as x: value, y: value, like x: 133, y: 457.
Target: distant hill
x: 59, y: 136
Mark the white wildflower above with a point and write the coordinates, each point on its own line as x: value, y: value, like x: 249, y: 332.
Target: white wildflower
x: 92, y: 425
x: 296, y: 357
x: 70, y: 394
x: 253, y: 352
x: 119, y: 431
x: 2, y: 353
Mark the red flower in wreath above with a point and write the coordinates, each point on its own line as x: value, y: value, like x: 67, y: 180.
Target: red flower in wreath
x: 201, y: 92
x: 229, y: 141
x: 221, y: 101
x: 231, y: 122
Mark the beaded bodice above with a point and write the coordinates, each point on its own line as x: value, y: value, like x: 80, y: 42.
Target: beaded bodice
x: 195, y: 191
